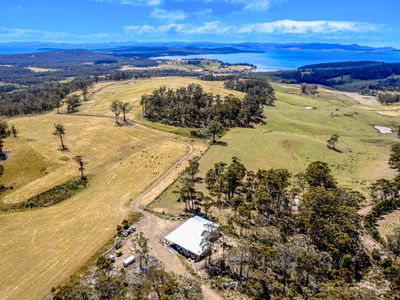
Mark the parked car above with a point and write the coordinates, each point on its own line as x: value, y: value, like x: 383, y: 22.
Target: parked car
x: 118, y: 244
x: 128, y: 261
x: 111, y: 258
x: 118, y: 253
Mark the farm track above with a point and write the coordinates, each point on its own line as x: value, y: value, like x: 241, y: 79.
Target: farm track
x: 155, y: 228
x: 85, y: 213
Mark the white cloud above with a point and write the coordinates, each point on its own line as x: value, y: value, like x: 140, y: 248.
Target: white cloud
x: 252, y: 5
x: 21, y: 34
x: 257, y: 5
x: 305, y: 27
x: 249, y: 5
x: 168, y: 15
x: 324, y: 29
x: 206, y: 28
x: 276, y: 27
x: 132, y: 2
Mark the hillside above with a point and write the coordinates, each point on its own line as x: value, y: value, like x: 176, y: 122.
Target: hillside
x: 360, y: 76
x: 129, y: 166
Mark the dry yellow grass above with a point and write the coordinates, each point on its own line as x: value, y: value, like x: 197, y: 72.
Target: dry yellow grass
x: 165, y: 66
x: 131, y: 91
x: 43, y: 247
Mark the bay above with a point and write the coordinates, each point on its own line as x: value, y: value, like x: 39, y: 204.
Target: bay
x: 272, y: 60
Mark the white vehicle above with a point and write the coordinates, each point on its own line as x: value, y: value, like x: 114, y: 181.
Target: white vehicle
x: 128, y: 261
x: 111, y: 258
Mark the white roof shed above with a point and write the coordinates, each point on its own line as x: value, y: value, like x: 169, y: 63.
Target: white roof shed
x: 190, y: 234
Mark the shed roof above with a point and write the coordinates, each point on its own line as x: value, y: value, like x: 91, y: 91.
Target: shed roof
x: 190, y: 234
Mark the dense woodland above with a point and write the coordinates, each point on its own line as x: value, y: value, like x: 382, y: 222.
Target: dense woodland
x: 255, y: 88
x: 275, y: 247
x: 388, y: 98
x: 39, y: 98
x: 326, y: 73
x: 389, y: 84
x: 191, y: 106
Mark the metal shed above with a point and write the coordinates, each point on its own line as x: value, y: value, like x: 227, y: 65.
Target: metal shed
x: 188, y: 238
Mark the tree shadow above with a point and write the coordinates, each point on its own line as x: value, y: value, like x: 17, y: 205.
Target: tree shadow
x: 334, y: 149
x: 220, y: 143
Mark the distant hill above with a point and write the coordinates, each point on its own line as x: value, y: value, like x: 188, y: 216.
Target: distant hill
x: 57, y: 57
x: 15, y: 48
x: 147, y: 52
x: 355, y: 75
x: 316, y: 46
x: 54, y: 58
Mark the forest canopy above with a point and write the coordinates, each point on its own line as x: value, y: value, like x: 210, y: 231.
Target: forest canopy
x: 191, y: 106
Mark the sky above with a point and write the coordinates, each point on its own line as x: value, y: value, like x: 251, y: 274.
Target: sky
x: 366, y: 22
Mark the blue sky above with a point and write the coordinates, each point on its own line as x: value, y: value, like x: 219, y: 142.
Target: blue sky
x: 367, y: 22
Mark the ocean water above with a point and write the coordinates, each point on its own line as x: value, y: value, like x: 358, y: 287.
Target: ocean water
x: 272, y: 60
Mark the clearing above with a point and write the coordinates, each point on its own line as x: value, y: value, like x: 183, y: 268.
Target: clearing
x: 294, y: 137
x: 42, y: 247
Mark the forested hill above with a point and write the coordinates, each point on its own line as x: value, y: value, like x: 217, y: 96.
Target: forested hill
x: 355, y: 75
x: 364, y: 70
x: 342, y: 65
x: 57, y: 58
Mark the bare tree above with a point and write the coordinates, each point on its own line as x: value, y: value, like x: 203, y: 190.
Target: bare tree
x: 79, y: 160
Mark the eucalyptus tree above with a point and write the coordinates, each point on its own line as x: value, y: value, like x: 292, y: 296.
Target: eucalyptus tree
x: 14, y: 130
x: 60, y: 132
x: 215, y: 129
x: 72, y: 103
x: 142, y: 249
x: 125, y: 108
x: 115, y: 107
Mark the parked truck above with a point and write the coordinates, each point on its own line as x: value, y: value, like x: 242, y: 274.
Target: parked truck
x: 128, y: 261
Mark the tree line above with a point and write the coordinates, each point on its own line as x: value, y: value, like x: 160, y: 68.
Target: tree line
x: 388, y: 98
x: 255, y: 88
x: 385, y: 193
x: 5, y: 132
x: 191, y: 106
x: 40, y: 98
x: 324, y: 74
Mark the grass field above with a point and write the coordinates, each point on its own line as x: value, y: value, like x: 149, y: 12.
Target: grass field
x: 41, y: 248
x: 132, y: 91
x: 294, y: 137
